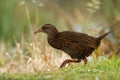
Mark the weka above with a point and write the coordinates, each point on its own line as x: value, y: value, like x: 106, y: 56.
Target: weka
x: 77, y: 45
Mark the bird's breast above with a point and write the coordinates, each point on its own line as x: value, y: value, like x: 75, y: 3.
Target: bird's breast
x: 54, y: 44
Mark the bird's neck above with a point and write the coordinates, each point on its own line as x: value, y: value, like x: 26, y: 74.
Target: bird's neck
x: 52, y: 39
x: 52, y: 35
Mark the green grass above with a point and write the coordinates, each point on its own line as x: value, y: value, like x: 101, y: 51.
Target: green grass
x: 16, y: 21
x: 104, y: 69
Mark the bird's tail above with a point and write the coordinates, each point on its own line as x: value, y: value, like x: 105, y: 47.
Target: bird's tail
x: 104, y: 35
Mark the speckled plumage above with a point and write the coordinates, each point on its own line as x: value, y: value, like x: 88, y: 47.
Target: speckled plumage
x: 77, y: 45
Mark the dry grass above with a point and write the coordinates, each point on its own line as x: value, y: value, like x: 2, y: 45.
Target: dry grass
x: 30, y: 57
x: 35, y: 55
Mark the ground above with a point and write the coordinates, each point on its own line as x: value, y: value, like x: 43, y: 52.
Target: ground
x: 99, y: 69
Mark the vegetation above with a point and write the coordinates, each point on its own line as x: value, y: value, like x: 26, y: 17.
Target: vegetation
x: 102, y: 69
x: 26, y: 56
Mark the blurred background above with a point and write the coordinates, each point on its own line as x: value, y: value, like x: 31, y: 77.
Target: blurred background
x: 20, y: 18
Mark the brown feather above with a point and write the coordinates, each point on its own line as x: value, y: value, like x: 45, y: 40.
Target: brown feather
x: 76, y: 45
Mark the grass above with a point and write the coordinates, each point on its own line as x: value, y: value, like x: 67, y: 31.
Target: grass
x: 32, y: 59
x: 99, y: 69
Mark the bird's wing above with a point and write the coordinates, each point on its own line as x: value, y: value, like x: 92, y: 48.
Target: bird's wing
x: 78, y: 40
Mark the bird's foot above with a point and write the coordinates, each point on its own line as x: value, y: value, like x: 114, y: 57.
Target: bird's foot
x: 64, y: 63
x: 85, y: 61
x: 68, y: 61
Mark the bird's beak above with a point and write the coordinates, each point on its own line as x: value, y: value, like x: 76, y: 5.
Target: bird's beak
x: 39, y: 30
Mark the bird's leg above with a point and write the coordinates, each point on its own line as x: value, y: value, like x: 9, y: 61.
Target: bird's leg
x: 68, y: 61
x: 85, y: 61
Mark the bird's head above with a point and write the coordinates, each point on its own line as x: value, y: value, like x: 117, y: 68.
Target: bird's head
x: 47, y: 28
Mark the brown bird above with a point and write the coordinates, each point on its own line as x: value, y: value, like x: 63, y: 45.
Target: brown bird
x: 77, y: 45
